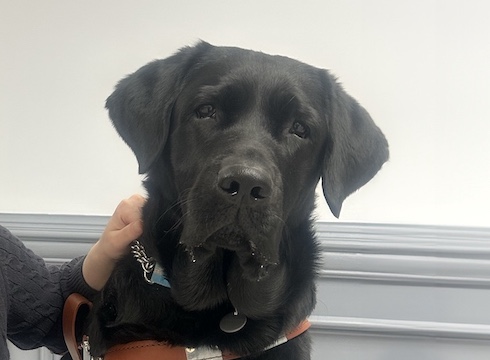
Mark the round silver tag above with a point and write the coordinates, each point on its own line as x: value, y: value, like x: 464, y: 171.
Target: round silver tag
x: 232, y: 322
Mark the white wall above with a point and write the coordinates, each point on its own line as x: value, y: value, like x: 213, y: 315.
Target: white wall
x: 420, y: 67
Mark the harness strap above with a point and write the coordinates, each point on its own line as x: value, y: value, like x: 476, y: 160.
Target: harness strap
x: 155, y: 350
x: 150, y: 349
x: 73, y: 305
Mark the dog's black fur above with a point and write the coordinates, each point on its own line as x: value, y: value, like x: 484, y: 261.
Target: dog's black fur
x: 233, y: 143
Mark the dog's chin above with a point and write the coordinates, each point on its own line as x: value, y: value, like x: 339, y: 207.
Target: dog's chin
x: 249, y: 265
x: 207, y: 275
x: 208, y: 279
x: 236, y: 250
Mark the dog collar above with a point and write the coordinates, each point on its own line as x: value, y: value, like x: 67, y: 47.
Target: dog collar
x: 153, y: 273
x: 154, y: 350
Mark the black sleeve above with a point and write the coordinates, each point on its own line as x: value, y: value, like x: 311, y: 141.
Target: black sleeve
x: 33, y: 295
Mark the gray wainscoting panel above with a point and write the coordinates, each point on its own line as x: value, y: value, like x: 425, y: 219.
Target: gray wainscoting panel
x: 384, y: 291
x: 402, y: 292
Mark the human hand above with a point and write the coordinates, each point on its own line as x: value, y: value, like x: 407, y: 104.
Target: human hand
x: 123, y: 227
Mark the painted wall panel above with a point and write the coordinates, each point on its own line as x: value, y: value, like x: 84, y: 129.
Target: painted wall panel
x: 384, y: 291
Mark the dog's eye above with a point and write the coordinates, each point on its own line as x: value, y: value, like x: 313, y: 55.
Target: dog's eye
x: 299, y: 129
x: 206, y: 111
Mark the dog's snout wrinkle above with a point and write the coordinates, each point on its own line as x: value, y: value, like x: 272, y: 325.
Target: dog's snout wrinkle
x: 244, y: 185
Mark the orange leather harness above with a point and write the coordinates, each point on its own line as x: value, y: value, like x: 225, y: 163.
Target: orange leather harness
x: 148, y: 349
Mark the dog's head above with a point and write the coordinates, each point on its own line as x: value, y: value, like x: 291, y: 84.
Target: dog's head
x: 239, y: 140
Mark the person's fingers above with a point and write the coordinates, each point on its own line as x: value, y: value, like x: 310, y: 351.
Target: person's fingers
x: 115, y: 244
x: 131, y: 232
x: 127, y: 212
x: 131, y: 208
x: 123, y: 227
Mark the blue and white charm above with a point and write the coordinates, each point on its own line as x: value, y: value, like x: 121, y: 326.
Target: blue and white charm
x: 159, y: 276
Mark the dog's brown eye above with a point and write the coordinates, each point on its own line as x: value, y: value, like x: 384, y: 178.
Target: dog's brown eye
x: 299, y: 129
x: 206, y: 111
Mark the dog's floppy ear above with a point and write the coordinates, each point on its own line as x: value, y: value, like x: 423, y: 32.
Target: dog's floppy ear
x: 356, y: 150
x: 141, y: 105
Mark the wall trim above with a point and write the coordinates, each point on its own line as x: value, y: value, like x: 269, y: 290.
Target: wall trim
x: 50, y: 227
x: 409, y: 239
x: 423, y: 255
x: 325, y: 325
x: 406, y: 239
x: 406, y: 254
x: 57, y: 238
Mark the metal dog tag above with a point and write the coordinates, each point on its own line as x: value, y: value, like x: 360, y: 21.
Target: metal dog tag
x: 232, y: 322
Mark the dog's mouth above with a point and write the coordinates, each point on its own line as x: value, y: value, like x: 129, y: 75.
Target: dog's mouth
x: 233, y: 248
x: 219, y: 269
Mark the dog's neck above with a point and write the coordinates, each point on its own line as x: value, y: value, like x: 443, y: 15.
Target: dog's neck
x: 153, y: 273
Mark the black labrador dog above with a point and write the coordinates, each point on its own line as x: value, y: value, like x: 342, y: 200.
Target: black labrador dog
x: 233, y: 143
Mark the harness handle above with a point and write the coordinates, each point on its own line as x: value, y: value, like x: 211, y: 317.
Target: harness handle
x: 76, y: 308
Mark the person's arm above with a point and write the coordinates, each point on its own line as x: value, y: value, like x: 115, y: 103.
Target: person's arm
x: 32, y: 294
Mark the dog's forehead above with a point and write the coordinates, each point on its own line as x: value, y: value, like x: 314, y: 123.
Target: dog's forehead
x: 222, y: 64
x: 234, y: 69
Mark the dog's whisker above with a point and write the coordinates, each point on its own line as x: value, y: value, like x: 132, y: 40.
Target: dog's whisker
x: 180, y: 205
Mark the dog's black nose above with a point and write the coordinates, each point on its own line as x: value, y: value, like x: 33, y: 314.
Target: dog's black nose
x: 247, y: 184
